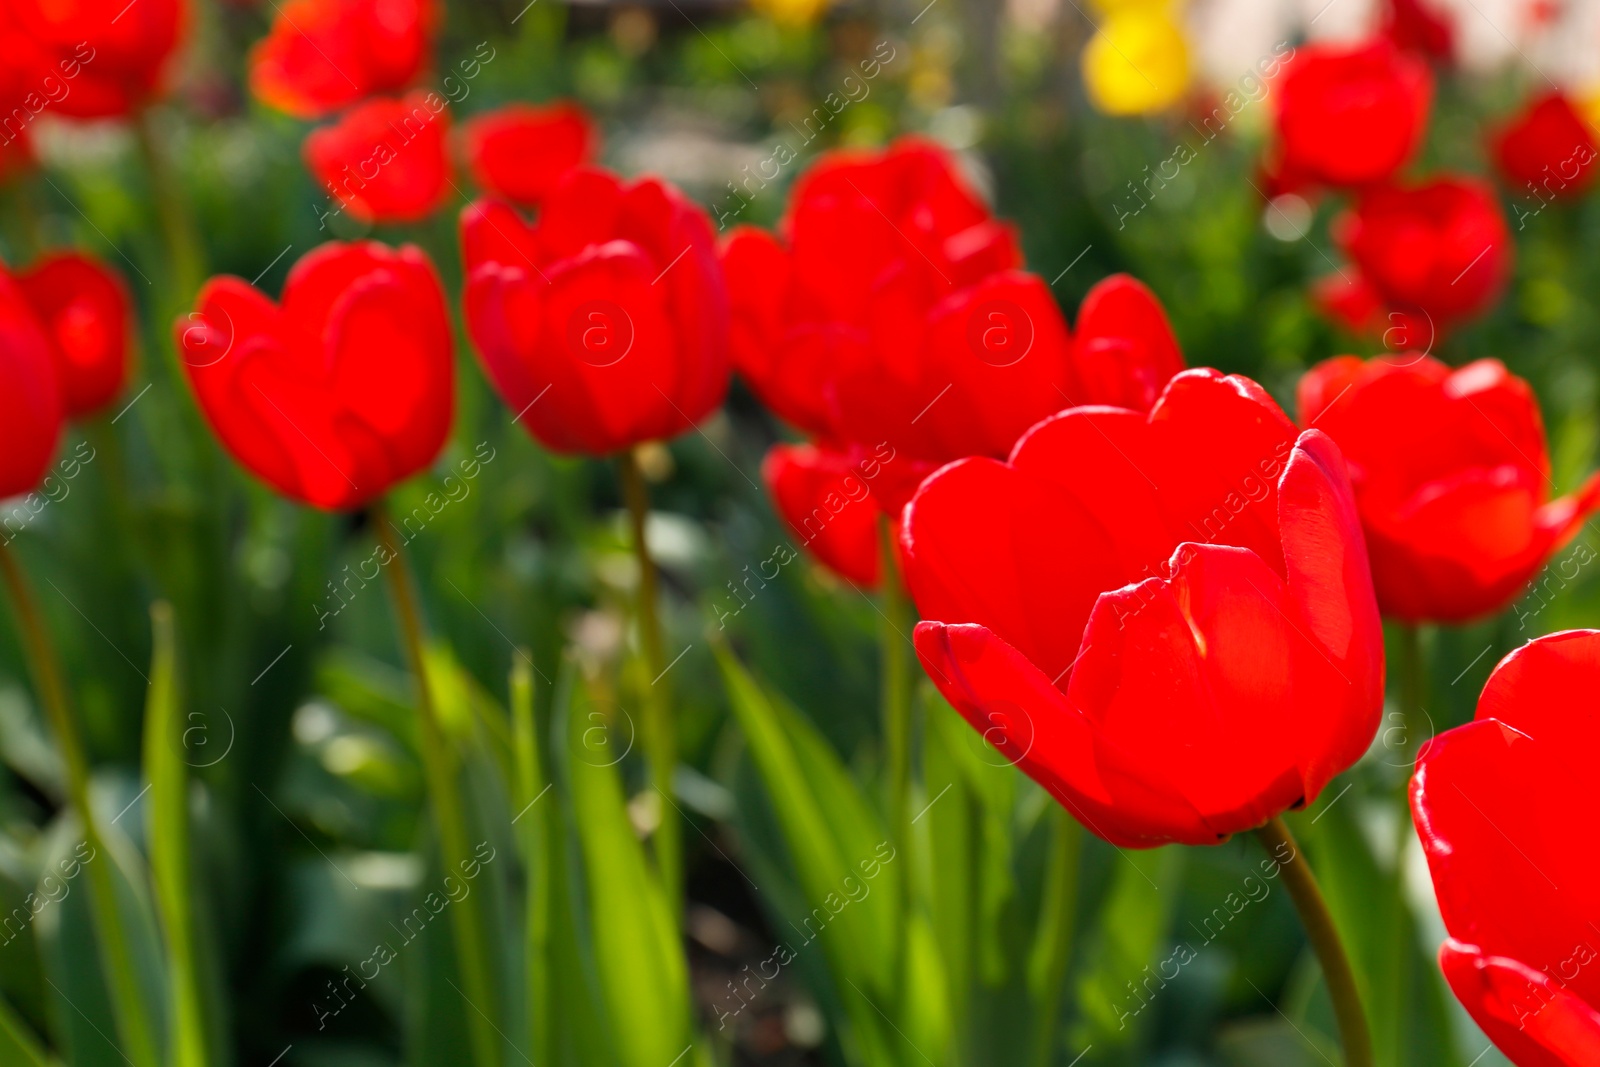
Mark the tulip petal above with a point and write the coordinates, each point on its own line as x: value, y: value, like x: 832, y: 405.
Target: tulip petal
x: 30, y: 395
x: 1497, y: 817
x: 1125, y: 351
x: 984, y: 544
x: 826, y: 501
x: 1330, y: 585
x: 1529, y: 1015
x: 1192, y: 674
x: 1013, y: 705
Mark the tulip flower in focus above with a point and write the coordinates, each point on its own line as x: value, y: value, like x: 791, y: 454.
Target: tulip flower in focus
x: 87, y: 318
x: 30, y: 394
x: 1166, y: 619
x: 1436, y: 253
x: 613, y: 303
x: 340, y: 390
x: 1505, y: 808
x: 1451, y: 477
x: 519, y: 152
x: 322, y: 55
x: 1548, y: 149
x: 91, y: 58
x: 891, y: 311
x: 1350, y: 115
x: 386, y: 159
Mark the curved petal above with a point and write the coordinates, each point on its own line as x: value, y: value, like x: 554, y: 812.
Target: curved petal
x: 1330, y: 587
x: 988, y: 544
x: 1195, y: 672
x: 1497, y: 813
x: 1125, y: 351
x: 1529, y: 1015
x: 1013, y: 705
x: 87, y: 315
x: 827, y: 503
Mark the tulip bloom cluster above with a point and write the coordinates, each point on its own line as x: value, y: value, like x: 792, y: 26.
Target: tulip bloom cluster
x: 925, y: 343
x: 1424, y: 256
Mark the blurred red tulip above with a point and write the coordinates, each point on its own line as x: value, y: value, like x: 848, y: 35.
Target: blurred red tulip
x: 1351, y: 115
x: 1451, y: 476
x: 613, y: 302
x: 1548, y: 149
x: 1423, y: 26
x: 322, y: 55
x: 520, y: 151
x: 826, y: 499
x: 1505, y: 808
x: 87, y: 317
x: 1441, y: 248
x: 30, y: 395
x: 1166, y: 619
x: 341, y: 390
x: 90, y: 58
x: 893, y: 312
x: 386, y: 159
x: 1351, y: 301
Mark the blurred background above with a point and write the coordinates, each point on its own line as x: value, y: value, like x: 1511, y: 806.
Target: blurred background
x: 311, y: 841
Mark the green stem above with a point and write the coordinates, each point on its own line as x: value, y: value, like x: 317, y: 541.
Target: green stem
x: 1410, y: 707
x: 185, y: 260
x: 1057, y: 925
x: 659, y: 736
x: 169, y: 843
x: 449, y: 809
x: 116, y: 961
x: 896, y: 688
x: 531, y: 787
x: 1324, y: 937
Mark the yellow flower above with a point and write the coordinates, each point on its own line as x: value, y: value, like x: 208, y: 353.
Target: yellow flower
x: 791, y: 12
x: 1138, y: 62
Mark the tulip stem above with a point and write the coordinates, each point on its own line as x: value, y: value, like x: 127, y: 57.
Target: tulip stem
x: 177, y: 228
x: 1324, y: 937
x: 449, y: 809
x: 116, y: 961
x: 659, y: 740
x: 1057, y: 926
x: 896, y: 688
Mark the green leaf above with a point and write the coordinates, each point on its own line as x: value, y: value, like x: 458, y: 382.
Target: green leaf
x: 18, y: 1045
x: 850, y: 878
x: 1130, y: 935
x: 638, y: 955
x: 169, y: 846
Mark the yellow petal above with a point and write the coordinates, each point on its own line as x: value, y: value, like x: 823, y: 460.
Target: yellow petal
x: 791, y: 12
x: 1138, y: 62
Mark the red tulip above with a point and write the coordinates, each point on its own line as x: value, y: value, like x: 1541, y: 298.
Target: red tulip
x: 1547, y: 147
x: 1350, y: 300
x: 87, y: 316
x: 826, y: 499
x: 322, y: 55
x: 613, y: 303
x: 1166, y: 619
x: 92, y: 58
x: 1451, y: 477
x: 385, y: 160
x: 1442, y: 248
x: 30, y: 396
x: 1351, y: 115
x: 1505, y: 809
x: 339, y: 391
x: 1420, y: 26
x: 893, y: 312
x: 520, y: 152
